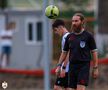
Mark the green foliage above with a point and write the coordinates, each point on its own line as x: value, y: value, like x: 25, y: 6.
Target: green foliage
x: 77, y: 2
x: 3, y: 4
x: 70, y: 13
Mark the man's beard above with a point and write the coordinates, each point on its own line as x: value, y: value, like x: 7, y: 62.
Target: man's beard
x: 76, y: 29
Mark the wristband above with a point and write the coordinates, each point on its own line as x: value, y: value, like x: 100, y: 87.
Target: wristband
x: 59, y: 64
x: 64, y: 67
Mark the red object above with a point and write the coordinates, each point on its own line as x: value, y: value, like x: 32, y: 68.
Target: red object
x: 40, y: 72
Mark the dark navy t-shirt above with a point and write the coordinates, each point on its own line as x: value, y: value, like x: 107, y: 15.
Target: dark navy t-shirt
x: 80, y: 46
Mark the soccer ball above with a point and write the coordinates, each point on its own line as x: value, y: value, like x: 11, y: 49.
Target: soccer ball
x: 52, y: 11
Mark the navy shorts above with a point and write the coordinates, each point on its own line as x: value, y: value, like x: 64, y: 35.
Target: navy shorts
x: 6, y: 50
x: 79, y: 74
x: 63, y: 82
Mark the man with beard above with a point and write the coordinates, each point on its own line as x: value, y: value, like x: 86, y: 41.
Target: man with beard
x: 80, y: 44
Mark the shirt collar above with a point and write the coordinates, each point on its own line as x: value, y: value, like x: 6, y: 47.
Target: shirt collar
x: 79, y: 32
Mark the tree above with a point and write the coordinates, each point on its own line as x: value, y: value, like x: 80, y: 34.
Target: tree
x: 3, y: 4
x: 77, y: 2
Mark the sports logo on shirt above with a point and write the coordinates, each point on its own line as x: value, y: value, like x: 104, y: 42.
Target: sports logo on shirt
x: 82, y: 44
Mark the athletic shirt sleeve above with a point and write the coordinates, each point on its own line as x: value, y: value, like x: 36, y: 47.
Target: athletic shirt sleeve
x: 92, y: 43
x: 66, y: 44
x: 64, y: 39
x: 63, y: 42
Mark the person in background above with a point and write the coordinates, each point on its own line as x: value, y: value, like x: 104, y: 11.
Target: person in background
x: 62, y: 80
x: 6, y: 37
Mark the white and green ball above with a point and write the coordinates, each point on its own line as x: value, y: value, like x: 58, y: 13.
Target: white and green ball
x: 52, y: 11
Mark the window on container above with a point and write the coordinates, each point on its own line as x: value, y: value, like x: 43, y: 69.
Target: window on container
x: 39, y: 31
x: 30, y: 32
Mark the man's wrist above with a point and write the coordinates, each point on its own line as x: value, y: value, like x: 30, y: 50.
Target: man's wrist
x: 63, y: 67
x: 59, y: 64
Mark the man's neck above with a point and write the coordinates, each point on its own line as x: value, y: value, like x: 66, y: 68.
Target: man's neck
x: 65, y: 32
x: 79, y: 32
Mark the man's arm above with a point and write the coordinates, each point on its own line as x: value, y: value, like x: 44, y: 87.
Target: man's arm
x: 62, y: 58
x: 65, y: 62
x: 95, y: 72
x: 95, y: 58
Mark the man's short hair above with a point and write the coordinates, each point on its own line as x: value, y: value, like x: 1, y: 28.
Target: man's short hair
x: 80, y: 15
x: 58, y: 22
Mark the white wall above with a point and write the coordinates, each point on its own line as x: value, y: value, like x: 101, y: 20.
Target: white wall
x: 2, y: 25
x: 101, y: 40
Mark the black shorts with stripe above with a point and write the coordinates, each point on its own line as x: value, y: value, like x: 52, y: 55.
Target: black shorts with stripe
x: 79, y: 74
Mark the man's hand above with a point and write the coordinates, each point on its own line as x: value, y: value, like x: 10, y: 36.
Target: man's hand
x: 62, y: 73
x: 95, y: 73
x: 58, y: 70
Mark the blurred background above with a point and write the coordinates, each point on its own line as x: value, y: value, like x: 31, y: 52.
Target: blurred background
x: 36, y: 50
